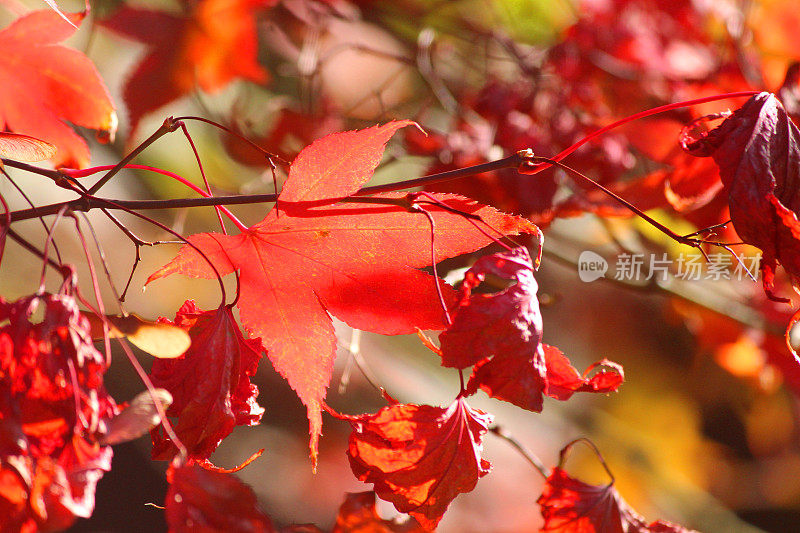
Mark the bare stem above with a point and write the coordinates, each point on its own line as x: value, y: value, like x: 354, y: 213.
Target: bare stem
x: 525, y: 452
x: 168, y: 126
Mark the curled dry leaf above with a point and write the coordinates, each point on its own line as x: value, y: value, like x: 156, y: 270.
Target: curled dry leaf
x: 357, y: 262
x: 420, y: 457
x: 201, y: 500
x: 210, y: 384
x: 24, y: 148
x: 500, y: 333
x: 757, y: 150
x: 159, y: 339
x: 139, y: 417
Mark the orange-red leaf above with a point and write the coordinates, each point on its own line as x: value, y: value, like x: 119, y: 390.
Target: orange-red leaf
x: 563, y: 380
x: 357, y: 262
x: 208, y: 47
x: 210, y: 383
x: 337, y: 165
x: 44, y: 85
x: 420, y: 457
x: 572, y: 506
x: 358, y: 515
x: 201, y: 500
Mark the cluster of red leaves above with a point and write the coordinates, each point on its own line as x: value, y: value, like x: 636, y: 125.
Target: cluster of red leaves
x: 53, y: 413
x: 206, y: 45
x: 512, y: 116
x: 445, y: 460
x: 618, y: 58
x: 210, y: 383
x: 501, y: 335
x: 45, y: 85
x: 310, y: 257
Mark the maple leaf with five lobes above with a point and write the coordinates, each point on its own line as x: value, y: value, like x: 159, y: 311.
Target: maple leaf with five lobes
x: 358, y: 262
x: 43, y: 85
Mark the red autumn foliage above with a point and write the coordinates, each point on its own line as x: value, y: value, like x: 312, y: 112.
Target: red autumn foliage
x: 319, y: 254
x: 207, y: 45
x: 572, y: 506
x: 420, y: 457
x: 45, y: 85
x: 620, y: 52
x: 358, y: 515
x: 509, y: 116
x: 210, y: 383
x: 53, y: 409
x: 757, y: 150
x: 202, y: 501
x: 359, y: 263
x: 501, y: 334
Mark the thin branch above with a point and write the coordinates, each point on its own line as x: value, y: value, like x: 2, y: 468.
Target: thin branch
x: 91, y: 202
x: 168, y: 126
x: 525, y: 452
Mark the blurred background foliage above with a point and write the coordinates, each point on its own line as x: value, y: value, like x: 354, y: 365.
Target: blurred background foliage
x: 705, y: 430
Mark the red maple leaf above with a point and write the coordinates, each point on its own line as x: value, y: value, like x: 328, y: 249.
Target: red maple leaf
x: 501, y: 333
x: 201, y: 500
x: 359, y: 262
x: 572, y: 506
x: 208, y: 45
x: 420, y: 457
x: 210, y: 383
x: 44, y: 85
x: 757, y: 150
x: 358, y: 515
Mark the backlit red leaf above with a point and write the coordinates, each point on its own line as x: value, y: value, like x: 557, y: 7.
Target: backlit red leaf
x: 338, y: 165
x: 44, y: 85
x: 501, y: 333
x: 211, y: 44
x: 358, y: 515
x: 204, y: 501
x: 358, y: 262
x: 572, y: 506
x: 210, y: 384
x: 52, y: 412
x: 420, y: 457
x: 563, y: 380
